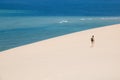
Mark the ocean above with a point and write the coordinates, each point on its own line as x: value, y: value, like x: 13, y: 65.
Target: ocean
x: 21, y: 30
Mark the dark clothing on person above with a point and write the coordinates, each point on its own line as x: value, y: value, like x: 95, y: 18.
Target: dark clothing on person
x: 92, y: 40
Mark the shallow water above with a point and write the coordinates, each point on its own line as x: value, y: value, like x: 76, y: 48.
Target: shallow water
x: 20, y: 30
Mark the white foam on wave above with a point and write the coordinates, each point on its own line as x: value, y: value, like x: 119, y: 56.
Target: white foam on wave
x: 82, y: 19
x: 110, y: 18
x: 64, y: 21
x: 102, y: 18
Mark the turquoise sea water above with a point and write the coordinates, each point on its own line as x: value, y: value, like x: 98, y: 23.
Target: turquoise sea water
x: 21, y: 30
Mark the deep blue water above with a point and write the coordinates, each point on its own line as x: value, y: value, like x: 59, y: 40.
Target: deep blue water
x: 20, y: 30
x: 61, y: 7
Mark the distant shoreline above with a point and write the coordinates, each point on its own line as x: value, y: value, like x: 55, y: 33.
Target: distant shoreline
x: 33, y: 29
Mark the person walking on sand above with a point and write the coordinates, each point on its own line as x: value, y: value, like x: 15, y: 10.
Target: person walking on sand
x: 92, y: 41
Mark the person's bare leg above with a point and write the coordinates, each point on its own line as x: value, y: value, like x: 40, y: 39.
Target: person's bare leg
x: 92, y: 44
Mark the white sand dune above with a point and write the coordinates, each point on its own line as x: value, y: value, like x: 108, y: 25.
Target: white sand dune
x: 67, y: 57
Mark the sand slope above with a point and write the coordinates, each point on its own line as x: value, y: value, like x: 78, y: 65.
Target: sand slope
x: 68, y: 57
